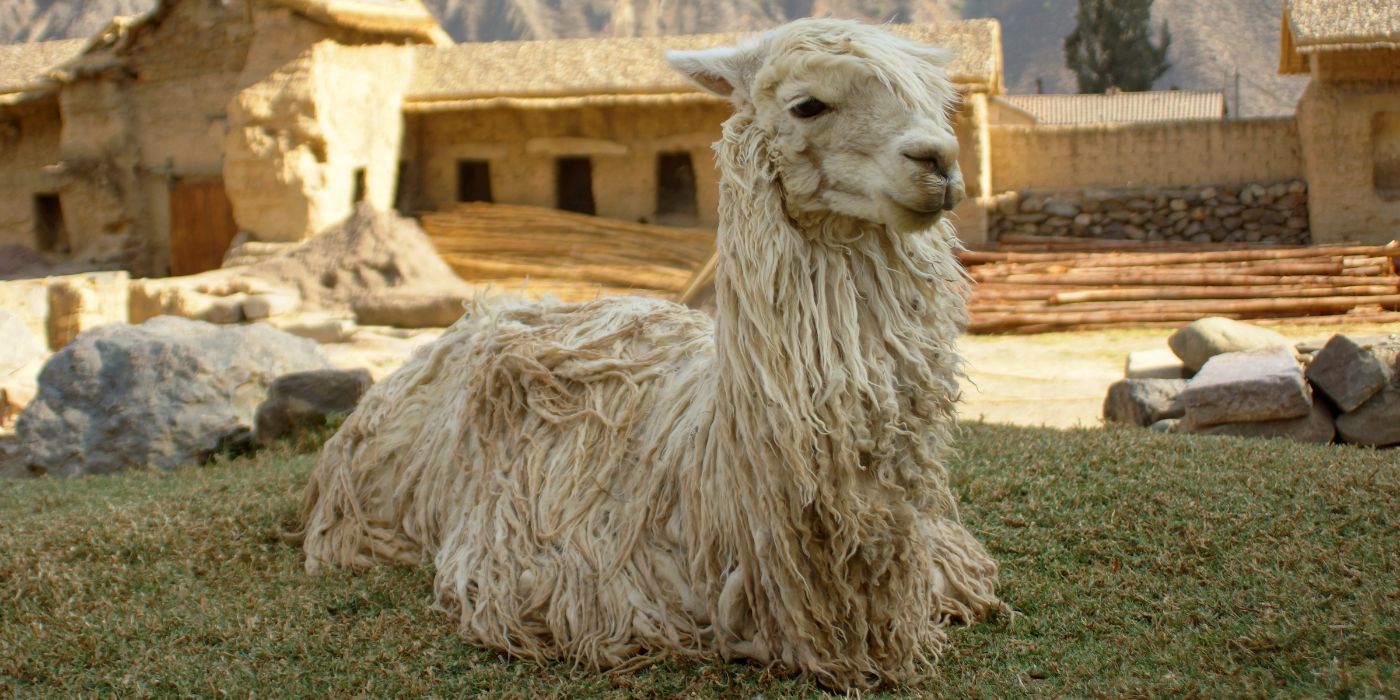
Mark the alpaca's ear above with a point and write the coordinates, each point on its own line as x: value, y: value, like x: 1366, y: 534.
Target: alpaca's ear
x: 719, y: 70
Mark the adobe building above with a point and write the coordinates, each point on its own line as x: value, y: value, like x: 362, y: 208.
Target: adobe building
x: 151, y: 145
x: 605, y: 126
x: 1349, y: 116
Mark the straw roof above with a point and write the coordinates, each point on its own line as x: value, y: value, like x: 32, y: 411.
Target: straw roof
x: 560, y: 68
x: 25, y: 66
x: 1172, y: 105
x: 406, y: 17
x: 1310, y: 26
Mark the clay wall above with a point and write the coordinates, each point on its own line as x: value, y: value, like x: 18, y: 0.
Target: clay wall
x: 1162, y: 154
x: 318, y: 109
x: 29, y: 138
x: 1351, y: 135
x: 623, y: 143
x: 522, y: 145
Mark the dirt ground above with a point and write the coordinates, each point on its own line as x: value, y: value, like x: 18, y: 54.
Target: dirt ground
x: 1059, y: 379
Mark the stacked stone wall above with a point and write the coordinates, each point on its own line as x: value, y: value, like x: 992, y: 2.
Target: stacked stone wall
x: 1253, y: 213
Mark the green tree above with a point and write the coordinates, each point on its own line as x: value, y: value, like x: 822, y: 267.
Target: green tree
x: 1112, y: 47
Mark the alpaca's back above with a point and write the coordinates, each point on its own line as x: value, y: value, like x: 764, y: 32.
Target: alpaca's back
x: 532, y: 445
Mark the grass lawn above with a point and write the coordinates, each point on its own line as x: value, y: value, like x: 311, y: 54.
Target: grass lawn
x: 1140, y: 565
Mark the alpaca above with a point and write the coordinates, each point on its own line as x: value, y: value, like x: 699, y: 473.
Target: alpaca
x: 618, y: 480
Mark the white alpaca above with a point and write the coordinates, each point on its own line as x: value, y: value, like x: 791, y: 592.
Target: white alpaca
x: 616, y: 480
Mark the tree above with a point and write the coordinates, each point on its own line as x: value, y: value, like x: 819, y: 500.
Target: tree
x: 1111, y: 47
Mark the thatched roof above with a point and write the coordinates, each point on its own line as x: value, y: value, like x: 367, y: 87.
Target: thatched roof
x: 636, y: 66
x: 25, y: 67
x: 404, y: 17
x: 1310, y: 26
x: 1123, y: 107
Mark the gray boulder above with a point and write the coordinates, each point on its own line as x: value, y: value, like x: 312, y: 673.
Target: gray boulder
x: 1376, y: 422
x: 1201, y: 340
x: 161, y: 394
x: 304, y: 400
x: 1317, y: 426
x: 1347, y: 372
x: 1143, y: 401
x: 1254, y: 385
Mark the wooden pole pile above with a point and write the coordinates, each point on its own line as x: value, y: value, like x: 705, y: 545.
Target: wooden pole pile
x: 1034, y: 285
x: 574, y: 257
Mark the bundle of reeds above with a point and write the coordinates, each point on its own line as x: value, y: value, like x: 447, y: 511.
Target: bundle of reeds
x: 574, y: 257
x: 1035, y: 285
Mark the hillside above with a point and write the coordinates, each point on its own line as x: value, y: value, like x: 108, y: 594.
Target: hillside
x: 1211, y: 39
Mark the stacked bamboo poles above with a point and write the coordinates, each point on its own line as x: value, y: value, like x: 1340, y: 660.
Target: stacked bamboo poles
x: 1039, y: 285
x: 573, y: 257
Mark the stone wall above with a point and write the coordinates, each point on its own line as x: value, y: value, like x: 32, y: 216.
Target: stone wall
x: 1255, y: 213
x: 1161, y: 154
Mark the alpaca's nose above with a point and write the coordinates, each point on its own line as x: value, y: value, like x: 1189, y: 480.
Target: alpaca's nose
x: 929, y: 159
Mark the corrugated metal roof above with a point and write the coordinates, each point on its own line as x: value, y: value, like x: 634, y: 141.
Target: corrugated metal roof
x: 23, y: 66
x: 1157, y: 106
x: 621, y: 66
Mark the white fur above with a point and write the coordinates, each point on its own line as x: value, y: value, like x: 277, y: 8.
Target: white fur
x: 617, y: 480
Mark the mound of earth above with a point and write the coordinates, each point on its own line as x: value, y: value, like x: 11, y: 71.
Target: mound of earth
x: 370, y: 253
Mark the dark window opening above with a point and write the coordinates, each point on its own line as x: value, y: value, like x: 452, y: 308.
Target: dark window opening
x: 675, y: 185
x: 473, y: 181
x: 359, y: 186
x: 573, y: 185
x: 50, y: 232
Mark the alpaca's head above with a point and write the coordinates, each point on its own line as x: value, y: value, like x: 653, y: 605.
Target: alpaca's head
x: 855, y: 118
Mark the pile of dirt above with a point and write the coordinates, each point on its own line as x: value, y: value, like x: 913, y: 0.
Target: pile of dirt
x: 371, y: 253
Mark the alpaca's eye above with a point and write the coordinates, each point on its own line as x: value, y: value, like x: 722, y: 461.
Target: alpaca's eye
x: 808, y: 108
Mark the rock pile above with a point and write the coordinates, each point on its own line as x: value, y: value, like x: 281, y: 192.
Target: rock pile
x: 368, y: 256
x: 1255, y: 213
x: 1251, y: 382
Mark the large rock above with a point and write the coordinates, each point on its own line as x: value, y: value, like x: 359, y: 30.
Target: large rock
x: 1201, y: 340
x: 304, y: 400
x: 1348, y: 373
x: 1317, y: 426
x: 160, y: 394
x: 1254, y: 385
x: 1376, y: 422
x: 1143, y: 401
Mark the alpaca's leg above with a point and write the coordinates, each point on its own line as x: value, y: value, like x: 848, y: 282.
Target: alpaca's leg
x: 965, y: 576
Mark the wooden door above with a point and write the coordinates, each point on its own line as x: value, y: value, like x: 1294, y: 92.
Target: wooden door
x: 201, y: 225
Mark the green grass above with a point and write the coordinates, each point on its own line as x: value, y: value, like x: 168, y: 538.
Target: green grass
x: 1140, y: 565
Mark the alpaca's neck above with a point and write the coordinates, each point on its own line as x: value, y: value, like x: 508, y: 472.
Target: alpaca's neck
x: 835, y: 343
